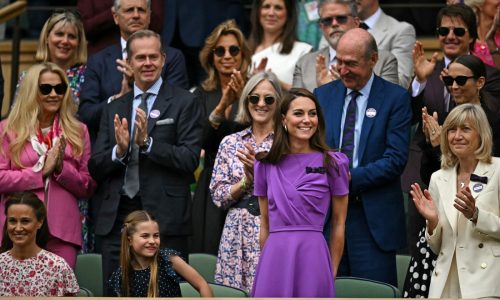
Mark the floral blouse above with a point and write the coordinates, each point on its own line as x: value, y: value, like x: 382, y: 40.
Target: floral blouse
x: 44, y: 275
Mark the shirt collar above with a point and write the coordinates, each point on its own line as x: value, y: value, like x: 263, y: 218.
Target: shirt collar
x: 123, y: 44
x: 333, y: 54
x: 154, y: 89
x: 365, y: 91
x: 372, y: 20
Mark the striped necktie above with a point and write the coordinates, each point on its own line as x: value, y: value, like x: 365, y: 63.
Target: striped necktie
x: 349, y: 126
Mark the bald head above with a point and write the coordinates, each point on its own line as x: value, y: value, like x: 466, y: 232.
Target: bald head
x: 356, y: 58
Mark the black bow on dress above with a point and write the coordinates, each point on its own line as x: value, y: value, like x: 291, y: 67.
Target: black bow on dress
x: 476, y: 178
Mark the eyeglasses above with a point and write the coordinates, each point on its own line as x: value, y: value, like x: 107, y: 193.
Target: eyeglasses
x: 220, y: 51
x: 327, y: 21
x: 460, y: 80
x: 46, y: 88
x: 458, y: 31
x: 254, y: 99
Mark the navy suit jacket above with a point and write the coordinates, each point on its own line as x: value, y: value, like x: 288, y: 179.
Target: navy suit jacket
x: 103, y: 80
x: 165, y: 173
x: 383, y: 152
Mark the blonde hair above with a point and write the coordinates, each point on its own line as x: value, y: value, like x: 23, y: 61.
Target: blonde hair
x: 207, y: 56
x: 66, y: 17
x: 476, y: 117
x: 129, y: 228
x: 22, y: 121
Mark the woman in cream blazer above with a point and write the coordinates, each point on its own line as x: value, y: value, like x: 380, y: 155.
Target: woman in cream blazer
x: 462, y: 209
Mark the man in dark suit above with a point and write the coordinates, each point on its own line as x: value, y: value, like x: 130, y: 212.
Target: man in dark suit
x: 147, y: 163
x: 108, y: 76
x: 368, y: 118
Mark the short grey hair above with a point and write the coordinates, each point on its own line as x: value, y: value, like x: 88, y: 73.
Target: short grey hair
x: 116, y: 4
x: 351, y: 3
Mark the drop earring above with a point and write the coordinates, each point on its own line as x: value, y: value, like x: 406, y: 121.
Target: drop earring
x: 286, y: 129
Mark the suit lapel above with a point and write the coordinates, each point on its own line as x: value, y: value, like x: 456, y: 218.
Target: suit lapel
x: 113, y: 54
x: 483, y: 170
x: 335, y: 110
x: 161, y: 104
x: 375, y: 100
x: 448, y: 189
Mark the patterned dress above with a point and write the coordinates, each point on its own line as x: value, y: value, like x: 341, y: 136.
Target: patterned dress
x: 45, y: 275
x: 168, y: 280
x: 239, y: 248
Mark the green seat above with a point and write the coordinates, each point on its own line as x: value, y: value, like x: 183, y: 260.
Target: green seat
x: 88, y: 272
x: 204, y: 264
x: 218, y: 290
x: 402, y: 264
x: 84, y: 292
x: 354, y: 287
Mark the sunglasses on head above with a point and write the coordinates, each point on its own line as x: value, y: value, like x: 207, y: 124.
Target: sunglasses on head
x: 460, y: 80
x: 327, y: 21
x: 220, y: 51
x: 254, y: 99
x: 46, y: 88
x: 444, y: 31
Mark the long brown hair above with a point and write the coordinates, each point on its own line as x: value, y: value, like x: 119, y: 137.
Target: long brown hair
x: 281, y: 143
x: 126, y: 255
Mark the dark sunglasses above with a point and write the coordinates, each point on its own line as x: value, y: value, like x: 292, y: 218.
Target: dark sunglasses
x: 327, y: 21
x: 46, y: 88
x: 460, y: 80
x: 458, y: 31
x: 254, y: 99
x: 220, y: 51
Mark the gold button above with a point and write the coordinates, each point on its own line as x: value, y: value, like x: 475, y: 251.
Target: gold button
x: 484, y: 265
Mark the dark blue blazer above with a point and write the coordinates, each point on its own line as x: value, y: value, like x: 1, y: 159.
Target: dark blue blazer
x: 103, y: 80
x: 383, y: 152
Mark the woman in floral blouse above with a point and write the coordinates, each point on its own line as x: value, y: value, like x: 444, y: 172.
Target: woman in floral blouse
x: 28, y: 270
x: 232, y: 181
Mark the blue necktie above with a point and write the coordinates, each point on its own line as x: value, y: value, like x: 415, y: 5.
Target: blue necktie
x: 349, y: 126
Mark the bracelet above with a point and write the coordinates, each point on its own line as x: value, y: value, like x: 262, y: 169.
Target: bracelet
x: 215, y: 118
x: 243, y: 183
x: 495, y: 52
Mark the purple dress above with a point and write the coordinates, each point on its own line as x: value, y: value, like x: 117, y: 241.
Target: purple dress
x: 295, y: 261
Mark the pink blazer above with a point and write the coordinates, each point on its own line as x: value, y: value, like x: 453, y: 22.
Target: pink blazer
x: 74, y: 182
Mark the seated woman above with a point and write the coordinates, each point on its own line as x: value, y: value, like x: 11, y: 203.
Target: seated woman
x: 28, y: 270
x: 45, y: 149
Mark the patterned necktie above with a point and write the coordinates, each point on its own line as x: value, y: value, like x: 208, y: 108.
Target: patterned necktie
x: 131, y: 186
x: 349, y: 126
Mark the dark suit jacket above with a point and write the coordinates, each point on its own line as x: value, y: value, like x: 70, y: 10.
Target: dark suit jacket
x: 103, y: 80
x: 165, y: 173
x: 383, y: 151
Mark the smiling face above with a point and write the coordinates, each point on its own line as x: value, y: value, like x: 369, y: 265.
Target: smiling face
x: 22, y: 225
x: 332, y: 32
x: 145, y: 241
x: 51, y: 103
x: 146, y: 60
x: 489, y: 7
x: 451, y: 44
x: 301, y: 120
x: 463, y: 140
x: 273, y: 15
x: 132, y: 16
x: 225, y: 64
x: 261, y: 112
x: 469, y: 92
x: 62, y: 43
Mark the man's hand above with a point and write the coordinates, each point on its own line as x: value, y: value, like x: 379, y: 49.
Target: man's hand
x: 122, y: 136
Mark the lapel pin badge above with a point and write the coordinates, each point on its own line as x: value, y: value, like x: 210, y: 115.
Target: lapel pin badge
x: 477, y: 187
x: 371, y: 112
x: 154, y: 114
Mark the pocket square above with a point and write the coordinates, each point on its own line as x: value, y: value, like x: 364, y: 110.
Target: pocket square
x: 165, y: 121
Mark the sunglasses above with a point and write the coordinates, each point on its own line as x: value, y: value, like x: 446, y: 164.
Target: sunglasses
x: 220, y: 51
x: 327, y: 21
x: 458, y: 31
x: 460, y: 80
x: 254, y: 99
x: 46, y: 88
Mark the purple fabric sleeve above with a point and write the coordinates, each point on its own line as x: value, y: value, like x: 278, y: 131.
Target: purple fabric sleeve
x: 259, y: 179
x: 338, y: 178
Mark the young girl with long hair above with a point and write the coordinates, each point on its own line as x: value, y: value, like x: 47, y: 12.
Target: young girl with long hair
x: 145, y: 269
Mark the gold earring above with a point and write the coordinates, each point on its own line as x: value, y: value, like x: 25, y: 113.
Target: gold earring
x: 286, y: 129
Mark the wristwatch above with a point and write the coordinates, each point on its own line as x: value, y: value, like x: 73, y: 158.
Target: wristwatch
x: 474, y: 216
x: 496, y: 51
x: 147, y: 143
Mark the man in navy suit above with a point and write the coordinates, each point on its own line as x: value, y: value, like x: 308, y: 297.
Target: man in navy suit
x: 163, y: 153
x: 108, y: 75
x: 375, y: 224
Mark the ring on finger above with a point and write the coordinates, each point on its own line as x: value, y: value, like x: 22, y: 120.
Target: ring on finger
x: 433, y: 131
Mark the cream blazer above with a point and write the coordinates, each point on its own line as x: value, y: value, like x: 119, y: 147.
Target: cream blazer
x: 476, y: 246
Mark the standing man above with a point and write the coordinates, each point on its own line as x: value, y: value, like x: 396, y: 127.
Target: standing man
x: 147, y: 150
x: 368, y: 118
x: 318, y: 68
x: 108, y: 75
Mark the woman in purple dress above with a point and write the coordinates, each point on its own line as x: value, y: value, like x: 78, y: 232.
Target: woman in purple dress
x: 296, y: 182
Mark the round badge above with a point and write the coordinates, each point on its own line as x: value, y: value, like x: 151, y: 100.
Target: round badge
x: 154, y: 114
x: 477, y: 187
x: 371, y: 112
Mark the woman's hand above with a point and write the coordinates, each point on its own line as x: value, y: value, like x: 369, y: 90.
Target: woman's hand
x: 51, y: 160
x: 425, y: 206
x: 465, y: 203
x: 431, y: 128
x: 61, y: 146
x: 236, y: 84
x: 247, y: 157
x: 261, y: 67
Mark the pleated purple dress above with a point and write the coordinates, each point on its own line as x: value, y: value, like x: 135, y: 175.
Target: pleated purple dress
x: 295, y: 261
